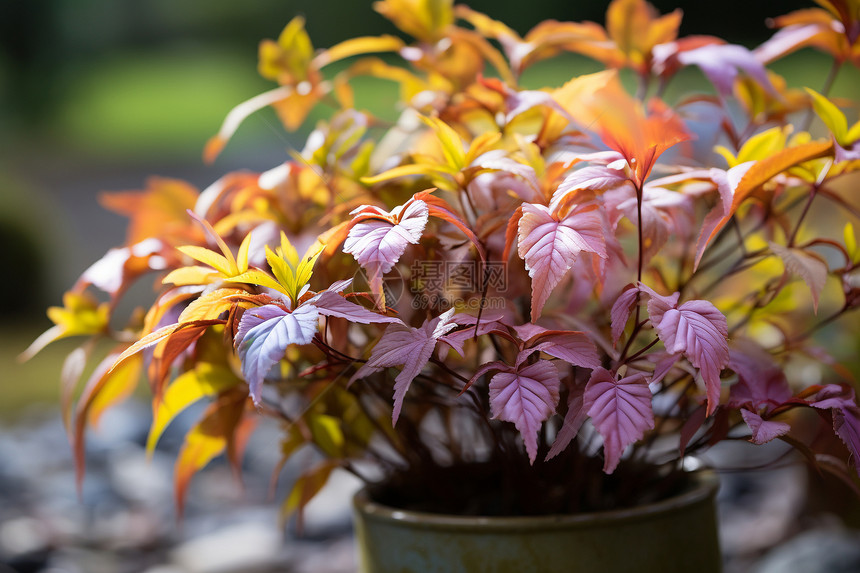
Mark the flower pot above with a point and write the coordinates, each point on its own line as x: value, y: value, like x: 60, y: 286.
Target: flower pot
x: 678, y: 534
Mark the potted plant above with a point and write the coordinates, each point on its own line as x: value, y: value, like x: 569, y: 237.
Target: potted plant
x: 508, y: 309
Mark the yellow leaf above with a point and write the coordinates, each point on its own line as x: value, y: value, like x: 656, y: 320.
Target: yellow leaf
x: 404, y: 171
x: 242, y: 259
x: 80, y: 314
x: 422, y: 19
x: 306, y: 487
x: 305, y: 268
x: 288, y: 251
x: 146, y: 341
x: 194, y: 275
x: 206, y: 440
x: 356, y: 46
x: 210, y: 305
x: 481, y: 144
x: 257, y: 277
x: 635, y: 28
x: 850, y: 241
x: 326, y: 434
x: 287, y: 60
x: 205, y: 380
x: 763, y: 145
x: 832, y: 117
x: 853, y: 133
x: 116, y: 386
x: 452, y: 145
x: 207, y: 257
x: 283, y: 273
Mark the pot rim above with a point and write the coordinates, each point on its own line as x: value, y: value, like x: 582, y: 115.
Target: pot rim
x: 704, y: 489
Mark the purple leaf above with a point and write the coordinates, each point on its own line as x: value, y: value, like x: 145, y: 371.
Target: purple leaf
x: 763, y: 431
x: 407, y: 347
x: 721, y: 63
x: 264, y: 335
x: 787, y: 40
x: 621, y: 310
x: 663, y: 366
x: 526, y: 398
x: 846, y: 416
x: 699, y: 330
x: 332, y: 304
x: 573, y: 420
x: 571, y: 346
x: 621, y: 412
x: 490, y: 323
x: 549, y: 245
x: 379, y: 239
x: 761, y: 383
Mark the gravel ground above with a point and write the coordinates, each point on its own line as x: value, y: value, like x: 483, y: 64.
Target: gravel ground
x: 124, y: 520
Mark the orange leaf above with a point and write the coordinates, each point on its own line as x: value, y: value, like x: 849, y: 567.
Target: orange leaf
x: 159, y: 211
x: 306, y: 487
x: 213, y: 434
x: 768, y: 168
x: 640, y: 136
x: 107, y: 386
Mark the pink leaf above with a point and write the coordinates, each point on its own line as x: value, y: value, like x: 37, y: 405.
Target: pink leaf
x: 407, y: 347
x: 573, y: 421
x: 549, y: 245
x: 807, y: 266
x: 599, y: 178
x: 727, y: 182
x: 621, y: 412
x: 763, y: 431
x: 378, y: 239
x: 699, y: 330
x: 507, y: 175
x: 526, y: 398
x: 621, y: 310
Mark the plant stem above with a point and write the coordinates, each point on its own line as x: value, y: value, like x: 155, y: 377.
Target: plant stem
x: 813, y: 192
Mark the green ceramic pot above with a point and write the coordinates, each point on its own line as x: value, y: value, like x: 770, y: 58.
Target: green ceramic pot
x: 678, y: 534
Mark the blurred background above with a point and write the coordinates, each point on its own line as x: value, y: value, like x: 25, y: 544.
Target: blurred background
x: 97, y: 95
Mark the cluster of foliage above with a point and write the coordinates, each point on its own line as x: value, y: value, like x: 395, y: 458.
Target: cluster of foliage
x: 630, y: 297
